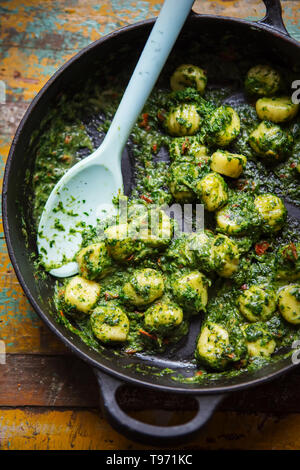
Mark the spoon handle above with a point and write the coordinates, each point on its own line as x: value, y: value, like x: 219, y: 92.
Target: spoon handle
x: 156, y: 51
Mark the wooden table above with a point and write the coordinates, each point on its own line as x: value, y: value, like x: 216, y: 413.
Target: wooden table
x: 49, y: 398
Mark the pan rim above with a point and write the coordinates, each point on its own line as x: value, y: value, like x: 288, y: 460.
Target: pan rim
x: 51, y: 323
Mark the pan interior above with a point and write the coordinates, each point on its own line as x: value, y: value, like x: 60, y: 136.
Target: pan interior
x: 216, y: 43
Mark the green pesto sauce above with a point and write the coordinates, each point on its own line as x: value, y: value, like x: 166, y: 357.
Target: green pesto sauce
x: 68, y: 136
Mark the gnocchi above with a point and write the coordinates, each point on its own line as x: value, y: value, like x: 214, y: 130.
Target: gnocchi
x: 276, y: 109
x: 272, y: 211
x: 110, y: 324
x: 270, y: 141
x: 224, y: 125
x: 213, y: 191
x: 163, y: 317
x: 183, y: 120
x: 94, y: 261
x: 82, y: 294
x: 211, y: 347
x: 228, y: 164
x: 289, y: 303
x: 144, y: 286
x: 258, y: 303
x: 262, y: 80
x: 190, y: 291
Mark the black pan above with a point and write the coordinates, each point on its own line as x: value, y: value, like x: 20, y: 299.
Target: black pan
x: 267, y: 38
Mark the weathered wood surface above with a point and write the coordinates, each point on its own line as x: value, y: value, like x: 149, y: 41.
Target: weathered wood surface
x: 36, y: 38
x: 42, y: 428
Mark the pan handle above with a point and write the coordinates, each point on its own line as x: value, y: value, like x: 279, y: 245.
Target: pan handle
x: 148, y: 433
x: 273, y: 16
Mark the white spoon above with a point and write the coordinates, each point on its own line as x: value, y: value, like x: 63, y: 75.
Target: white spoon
x: 88, y: 187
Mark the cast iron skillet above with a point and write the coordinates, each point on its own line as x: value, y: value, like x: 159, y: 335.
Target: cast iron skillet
x: 267, y: 38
